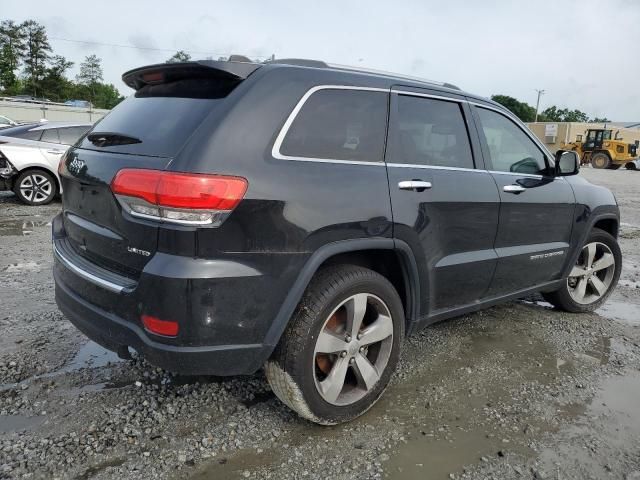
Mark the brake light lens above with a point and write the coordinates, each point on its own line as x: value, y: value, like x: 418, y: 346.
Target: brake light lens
x: 184, y: 198
x: 165, y: 328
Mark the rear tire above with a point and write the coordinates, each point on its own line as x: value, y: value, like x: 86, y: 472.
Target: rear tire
x: 600, y: 160
x: 594, y: 276
x: 341, y: 346
x: 614, y: 166
x: 35, y: 187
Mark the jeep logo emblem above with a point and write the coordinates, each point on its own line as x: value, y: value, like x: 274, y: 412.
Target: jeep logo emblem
x: 76, y: 165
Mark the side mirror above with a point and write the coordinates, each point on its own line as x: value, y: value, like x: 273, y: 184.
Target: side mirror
x: 567, y: 163
x: 578, y: 138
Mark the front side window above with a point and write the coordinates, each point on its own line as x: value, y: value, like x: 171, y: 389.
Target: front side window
x: 339, y: 125
x: 510, y: 149
x: 430, y: 132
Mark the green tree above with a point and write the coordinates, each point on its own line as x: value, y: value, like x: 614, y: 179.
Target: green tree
x: 55, y: 85
x: 107, y: 96
x: 36, y: 55
x: 600, y: 120
x: 522, y: 110
x: 90, y: 75
x: 179, y: 56
x: 555, y: 114
x: 12, y: 49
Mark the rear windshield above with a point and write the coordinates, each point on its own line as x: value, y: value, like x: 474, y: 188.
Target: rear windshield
x: 158, y: 120
x: 23, y: 131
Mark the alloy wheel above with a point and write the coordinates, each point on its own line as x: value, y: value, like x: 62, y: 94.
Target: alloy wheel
x: 353, y: 349
x: 591, y: 277
x: 35, y: 188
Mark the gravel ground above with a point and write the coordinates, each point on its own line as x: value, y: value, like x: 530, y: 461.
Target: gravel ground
x: 515, y: 391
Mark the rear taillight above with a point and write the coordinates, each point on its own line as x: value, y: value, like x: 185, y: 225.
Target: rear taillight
x: 183, y: 198
x: 167, y: 328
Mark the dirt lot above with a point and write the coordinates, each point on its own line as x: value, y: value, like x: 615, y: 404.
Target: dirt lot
x: 517, y: 391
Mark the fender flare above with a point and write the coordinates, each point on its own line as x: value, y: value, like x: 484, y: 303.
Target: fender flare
x: 608, y: 214
x: 409, y: 271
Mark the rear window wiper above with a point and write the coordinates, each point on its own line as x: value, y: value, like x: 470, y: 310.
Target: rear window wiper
x: 109, y: 139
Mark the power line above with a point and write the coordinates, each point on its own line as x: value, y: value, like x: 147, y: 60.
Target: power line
x: 103, y: 44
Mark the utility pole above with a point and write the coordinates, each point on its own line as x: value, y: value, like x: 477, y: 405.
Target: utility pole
x: 540, y: 93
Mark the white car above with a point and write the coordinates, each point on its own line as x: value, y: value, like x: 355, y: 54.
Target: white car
x: 29, y: 157
x: 6, y: 122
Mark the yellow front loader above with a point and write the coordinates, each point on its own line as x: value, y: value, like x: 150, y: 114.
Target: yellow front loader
x: 601, y: 151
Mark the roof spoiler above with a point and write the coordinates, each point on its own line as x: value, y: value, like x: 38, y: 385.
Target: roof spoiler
x: 169, y: 72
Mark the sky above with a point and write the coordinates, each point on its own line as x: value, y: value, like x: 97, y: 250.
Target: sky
x: 583, y: 53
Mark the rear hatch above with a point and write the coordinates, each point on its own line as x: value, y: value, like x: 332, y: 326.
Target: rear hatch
x: 145, y: 131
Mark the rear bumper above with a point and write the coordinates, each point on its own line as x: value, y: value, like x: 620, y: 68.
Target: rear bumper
x: 114, y: 333
x: 224, y: 307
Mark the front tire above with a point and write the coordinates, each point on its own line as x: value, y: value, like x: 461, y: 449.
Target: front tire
x: 341, y: 347
x: 593, y: 277
x: 600, y: 160
x: 35, y: 187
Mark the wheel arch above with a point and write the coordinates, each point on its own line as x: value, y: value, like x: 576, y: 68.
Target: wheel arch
x: 607, y: 221
x: 391, y: 258
x: 42, y: 168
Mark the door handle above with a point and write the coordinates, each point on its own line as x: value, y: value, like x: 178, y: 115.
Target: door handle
x: 513, y: 189
x: 415, y: 185
x: 55, y: 152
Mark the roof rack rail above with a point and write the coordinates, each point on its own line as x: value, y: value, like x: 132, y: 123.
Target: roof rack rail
x: 391, y: 74
x: 301, y: 62
x: 304, y: 62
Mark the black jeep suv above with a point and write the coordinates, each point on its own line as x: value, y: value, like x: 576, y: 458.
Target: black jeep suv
x: 307, y: 217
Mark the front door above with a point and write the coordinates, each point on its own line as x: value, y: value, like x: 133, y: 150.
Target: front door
x: 536, y: 212
x: 444, y: 204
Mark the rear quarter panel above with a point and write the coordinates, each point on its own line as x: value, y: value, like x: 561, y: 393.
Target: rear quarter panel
x: 291, y: 208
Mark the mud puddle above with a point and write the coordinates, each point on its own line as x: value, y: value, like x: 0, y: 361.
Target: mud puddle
x: 234, y: 466
x: 615, y: 414
x: 22, y: 226
x: 90, y: 355
x: 17, y: 423
x: 624, y: 312
x: 468, y: 425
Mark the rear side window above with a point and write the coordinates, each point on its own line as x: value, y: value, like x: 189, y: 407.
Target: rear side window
x: 159, y: 119
x: 339, y: 125
x: 430, y: 132
x: 70, y: 135
x: 50, y: 135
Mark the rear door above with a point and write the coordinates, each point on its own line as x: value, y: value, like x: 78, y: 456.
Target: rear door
x: 536, y: 212
x: 445, y: 204
x: 144, y: 132
x: 53, y: 150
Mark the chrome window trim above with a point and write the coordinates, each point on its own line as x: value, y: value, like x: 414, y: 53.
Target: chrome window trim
x: 531, y: 175
x: 275, y: 150
x: 113, y: 287
x: 428, y: 95
x: 435, y: 167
